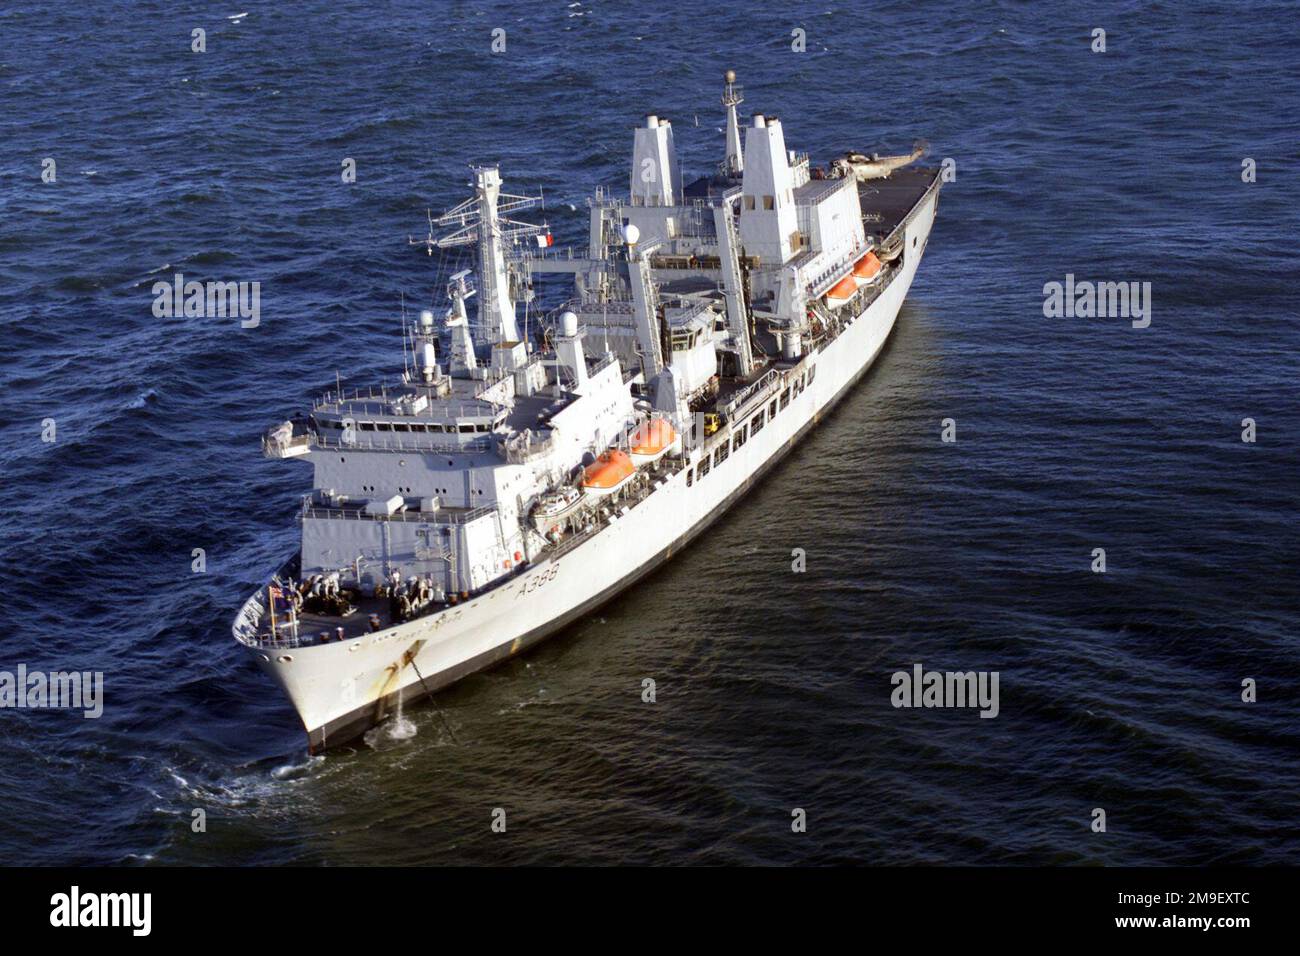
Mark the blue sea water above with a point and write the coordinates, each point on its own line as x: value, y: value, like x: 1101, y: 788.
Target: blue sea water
x: 1119, y: 691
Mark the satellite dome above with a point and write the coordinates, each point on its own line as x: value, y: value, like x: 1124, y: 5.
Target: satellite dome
x: 631, y: 234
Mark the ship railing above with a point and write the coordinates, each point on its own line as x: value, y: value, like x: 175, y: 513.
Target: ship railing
x: 463, y: 408
x: 550, y: 254
x: 518, y: 451
x: 607, y: 198
x: 749, y: 391
x: 611, y: 306
x: 407, y: 442
x: 286, y: 640
x: 799, y: 171
x: 297, y: 445
x: 452, y: 516
x: 351, y: 394
x: 253, y: 628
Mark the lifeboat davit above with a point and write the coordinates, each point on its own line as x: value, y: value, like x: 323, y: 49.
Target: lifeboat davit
x: 608, y: 473
x: 652, y: 440
x: 866, y: 269
x: 841, y: 292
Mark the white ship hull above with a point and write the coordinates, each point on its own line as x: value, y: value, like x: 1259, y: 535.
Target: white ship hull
x: 340, y: 689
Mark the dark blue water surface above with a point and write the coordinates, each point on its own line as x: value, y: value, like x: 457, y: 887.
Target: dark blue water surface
x: 1119, y: 690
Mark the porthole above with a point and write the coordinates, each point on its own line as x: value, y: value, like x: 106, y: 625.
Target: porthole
x: 285, y: 658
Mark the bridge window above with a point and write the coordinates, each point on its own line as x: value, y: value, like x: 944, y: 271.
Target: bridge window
x: 690, y: 477
x: 703, y: 468
x: 785, y: 399
x: 721, y: 454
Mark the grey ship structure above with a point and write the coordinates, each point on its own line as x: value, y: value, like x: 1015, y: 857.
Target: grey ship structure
x: 516, y: 480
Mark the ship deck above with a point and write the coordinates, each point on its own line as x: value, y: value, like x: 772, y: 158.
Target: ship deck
x: 887, y: 202
x: 310, y: 624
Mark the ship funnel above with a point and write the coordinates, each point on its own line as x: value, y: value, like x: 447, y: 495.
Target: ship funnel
x: 568, y: 349
x: 770, y: 217
x: 655, y: 178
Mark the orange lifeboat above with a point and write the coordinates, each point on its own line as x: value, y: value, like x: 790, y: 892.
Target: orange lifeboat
x: 841, y: 292
x: 866, y: 269
x: 652, y: 440
x: 608, y: 473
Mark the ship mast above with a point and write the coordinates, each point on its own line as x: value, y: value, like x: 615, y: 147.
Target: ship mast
x: 480, y: 221
x: 731, y: 98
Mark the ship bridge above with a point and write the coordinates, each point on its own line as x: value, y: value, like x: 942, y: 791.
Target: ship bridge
x: 409, y: 419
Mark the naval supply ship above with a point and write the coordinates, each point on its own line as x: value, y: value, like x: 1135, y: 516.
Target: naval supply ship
x: 524, y: 472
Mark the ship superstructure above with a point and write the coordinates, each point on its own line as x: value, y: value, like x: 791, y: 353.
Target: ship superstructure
x: 524, y: 472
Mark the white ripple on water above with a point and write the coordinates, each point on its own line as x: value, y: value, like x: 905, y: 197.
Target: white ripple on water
x: 397, y: 730
x: 143, y: 399
x: 296, y: 771
x: 256, y: 790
